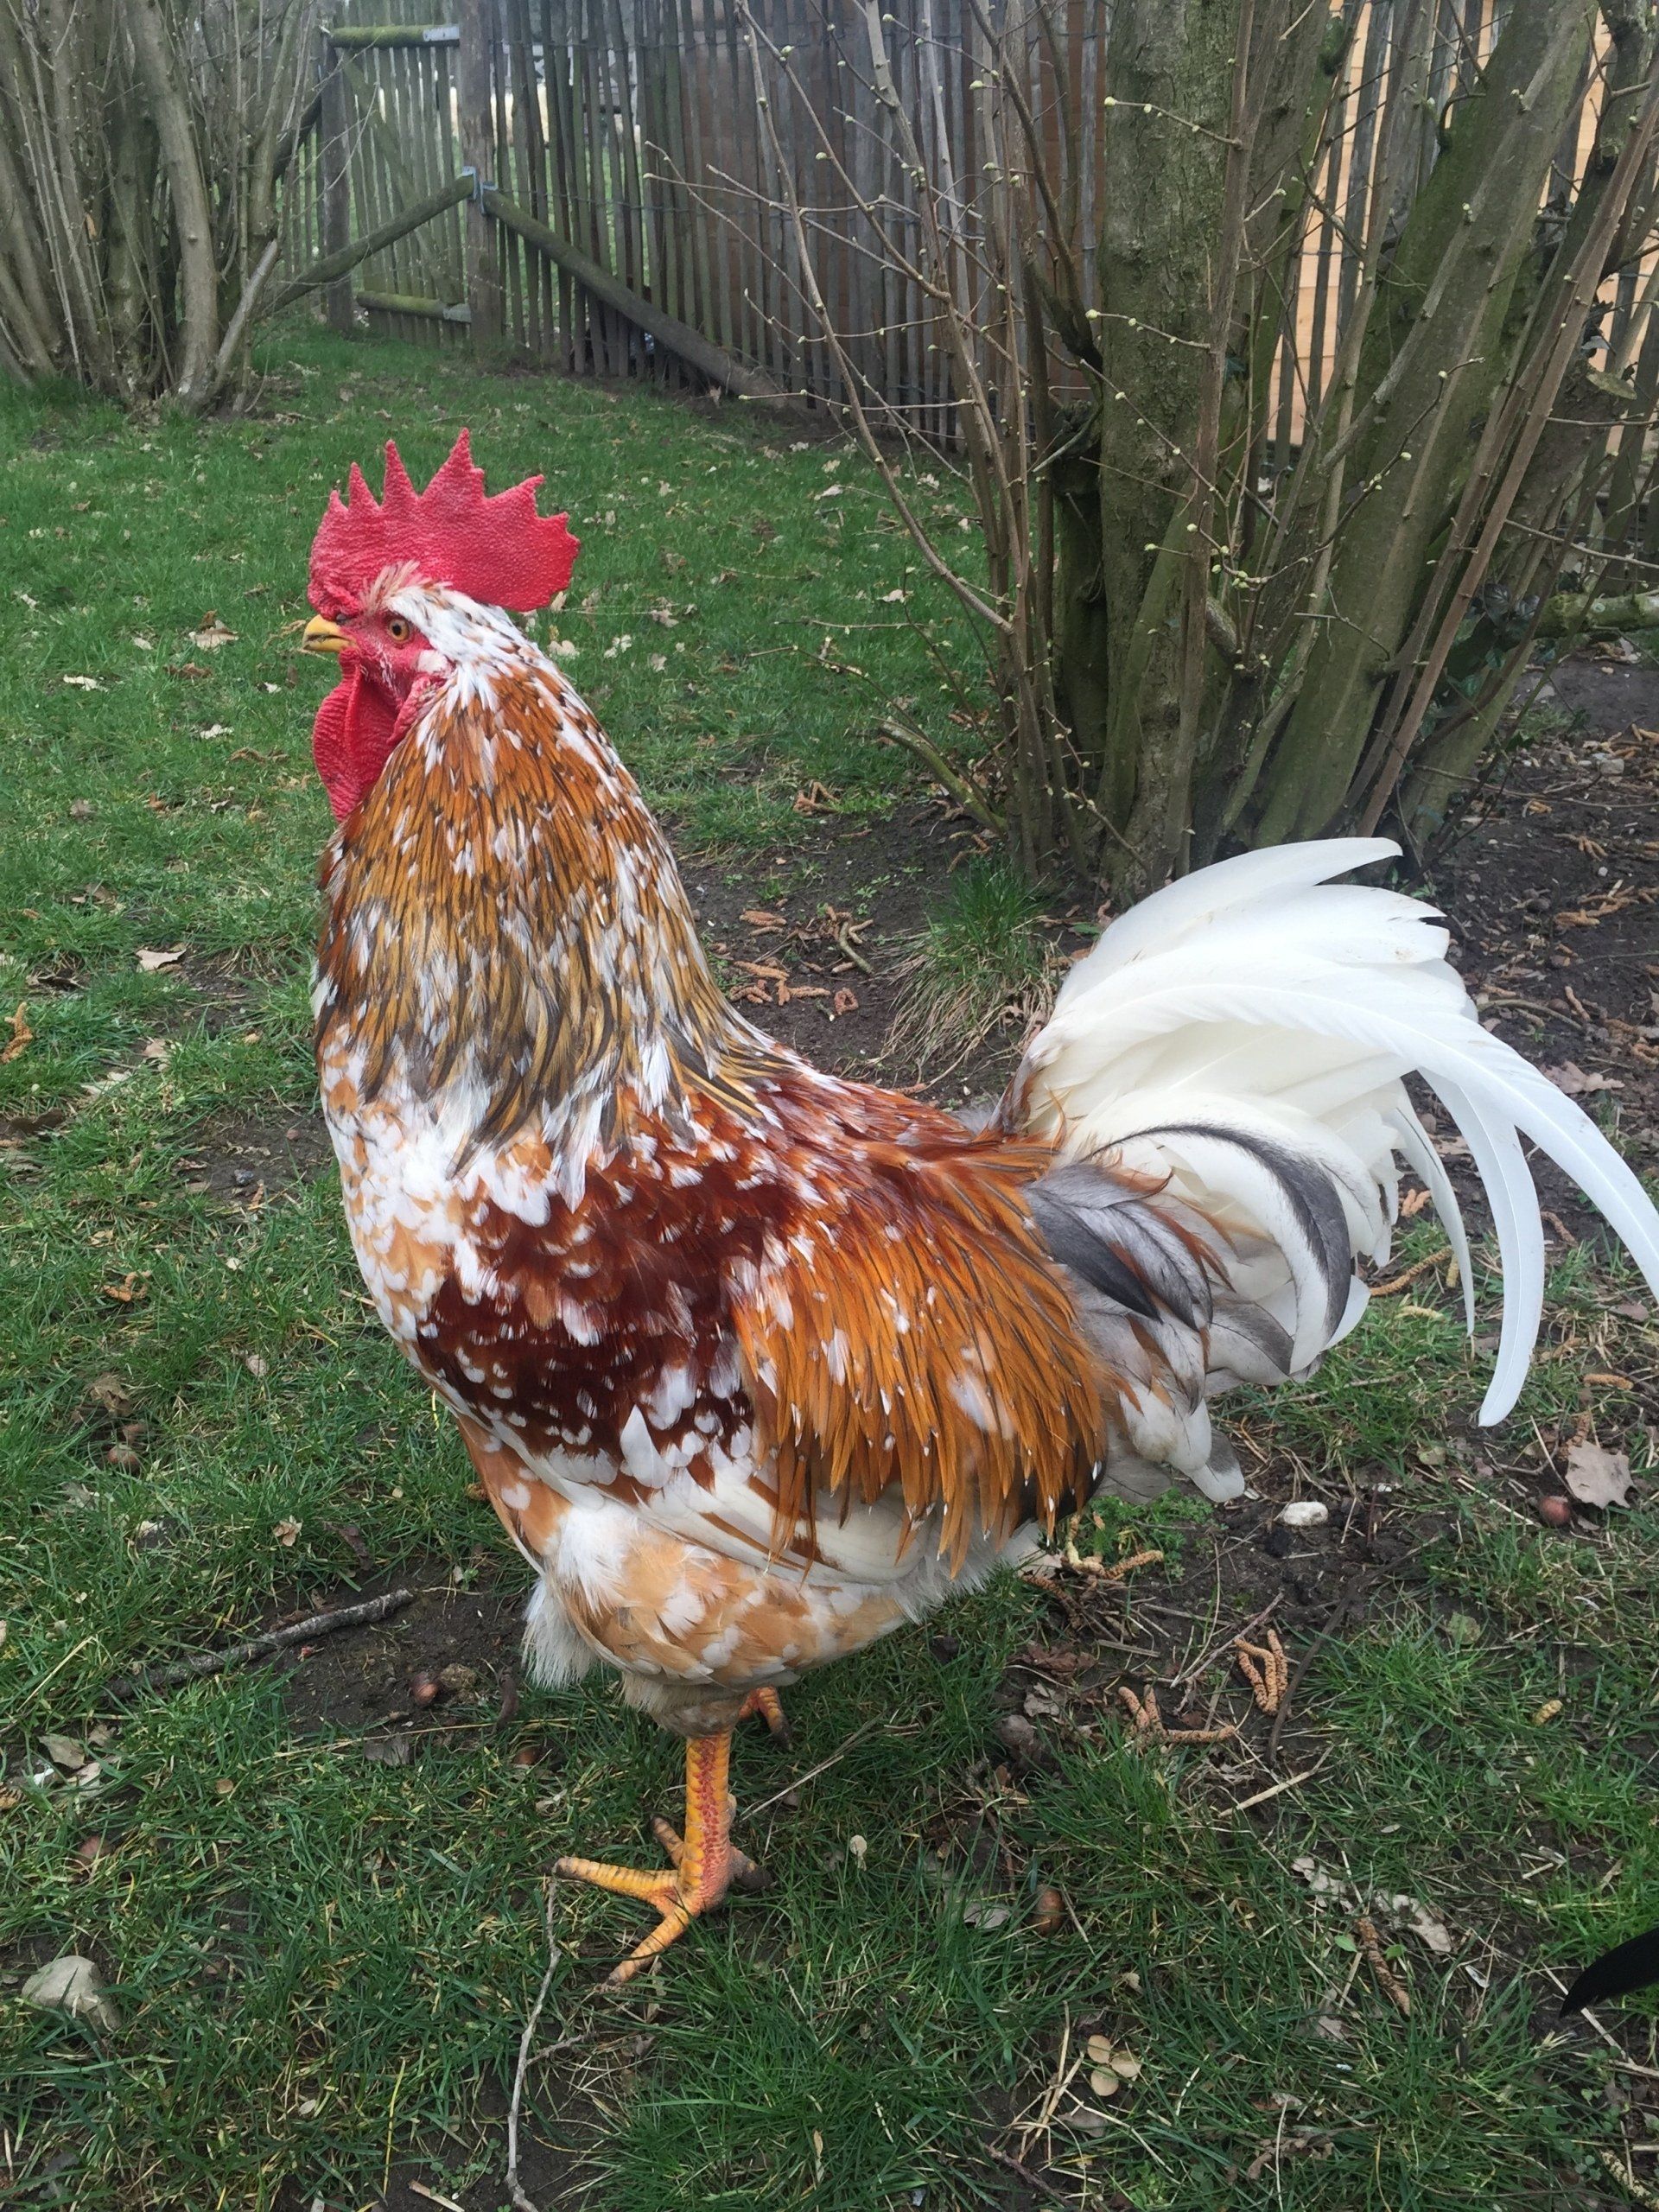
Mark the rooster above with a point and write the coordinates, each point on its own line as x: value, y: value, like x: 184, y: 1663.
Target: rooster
x: 757, y: 1365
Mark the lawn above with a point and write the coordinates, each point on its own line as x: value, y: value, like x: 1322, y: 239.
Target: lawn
x: 321, y: 1958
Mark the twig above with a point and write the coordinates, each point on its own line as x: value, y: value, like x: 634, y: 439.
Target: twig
x: 448, y: 2203
x: 521, y: 2202
x: 203, y: 1664
x: 966, y: 793
x: 1190, y: 1674
x: 1387, y: 1981
x: 1290, y: 1781
x: 57, y: 1669
x: 1333, y: 1622
x: 1032, y: 2180
x: 853, y: 952
x: 813, y: 1772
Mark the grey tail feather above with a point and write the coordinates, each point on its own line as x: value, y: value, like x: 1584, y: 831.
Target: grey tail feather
x: 1134, y: 1247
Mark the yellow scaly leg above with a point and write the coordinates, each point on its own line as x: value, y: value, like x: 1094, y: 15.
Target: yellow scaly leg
x: 705, y: 1863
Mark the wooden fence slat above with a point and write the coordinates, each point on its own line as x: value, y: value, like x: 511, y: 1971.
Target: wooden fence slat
x: 591, y: 174
x: 555, y: 76
x: 334, y: 183
x: 484, y: 293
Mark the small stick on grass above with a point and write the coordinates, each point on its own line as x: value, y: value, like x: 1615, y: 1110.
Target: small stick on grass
x: 1334, y: 1620
x: 1387, y: 1981
x: 515, y: 2189
x: 1031, y: 2179
x: 1190, y: 1674
x: 203, y: 1664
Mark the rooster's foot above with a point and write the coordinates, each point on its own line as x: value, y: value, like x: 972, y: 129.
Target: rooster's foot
x: 769, y: 1705
x: 705, y: 1861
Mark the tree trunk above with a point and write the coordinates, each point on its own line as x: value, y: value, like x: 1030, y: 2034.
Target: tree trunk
x: 1433, y: 359
x: 1168, y: 64
x: 158, y: 68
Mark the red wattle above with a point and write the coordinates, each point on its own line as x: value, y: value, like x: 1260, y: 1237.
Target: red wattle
x: 354, y: 732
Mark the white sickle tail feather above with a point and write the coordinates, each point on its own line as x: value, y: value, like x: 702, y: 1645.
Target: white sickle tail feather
x: 1245, y: 1033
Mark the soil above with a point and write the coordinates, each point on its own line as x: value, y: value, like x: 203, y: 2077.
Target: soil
x: 841, y: 922
x: 245, y: 1159
x: 1551, y: 886
x: 446, y: 1660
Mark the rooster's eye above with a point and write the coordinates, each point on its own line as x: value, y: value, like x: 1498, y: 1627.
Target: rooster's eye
x: 397, y: 630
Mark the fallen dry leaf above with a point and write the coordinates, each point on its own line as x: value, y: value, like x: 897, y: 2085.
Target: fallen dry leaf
x: 83, y: 683
x: 66, y: 1751
x: 211, y: 635
x: 287, y: 1533
x: 1421, y: 1921
x: 71, y: 1985
x: 109, y: 1392
x: 131, y: 1286
x: 22, y: 1035
x: 987, y: 1916
x: 846, y: 1000
x: 152, y: 961
x: 389, y: 1751
x: 1571, y: 1079
x: 1597, y: 1476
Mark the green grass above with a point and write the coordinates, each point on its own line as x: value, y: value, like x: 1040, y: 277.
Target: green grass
x: 322, y: 1964
x: 980, y: 963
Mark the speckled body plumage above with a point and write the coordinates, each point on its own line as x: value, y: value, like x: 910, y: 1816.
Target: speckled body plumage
x: 757, y: 1364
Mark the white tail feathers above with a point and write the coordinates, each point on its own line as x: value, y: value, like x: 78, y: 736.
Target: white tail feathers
x: 1247, y: 1033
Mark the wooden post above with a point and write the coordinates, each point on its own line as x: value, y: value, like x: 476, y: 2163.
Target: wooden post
x: 478, y: 152
x: 335, y: 180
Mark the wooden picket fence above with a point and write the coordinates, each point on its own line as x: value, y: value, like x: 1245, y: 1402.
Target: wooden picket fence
x: 627, y: 133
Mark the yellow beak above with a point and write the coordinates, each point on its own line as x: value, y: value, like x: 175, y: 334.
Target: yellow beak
x: 322, y: 636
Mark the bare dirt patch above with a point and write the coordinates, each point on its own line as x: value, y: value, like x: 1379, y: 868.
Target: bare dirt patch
x: 446, y: 1661
x: 246, y: 1158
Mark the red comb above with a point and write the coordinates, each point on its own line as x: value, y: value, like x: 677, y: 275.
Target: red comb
x: 497, y: 551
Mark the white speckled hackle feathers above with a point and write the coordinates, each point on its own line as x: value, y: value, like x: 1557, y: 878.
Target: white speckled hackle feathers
x: 757, y: 1364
